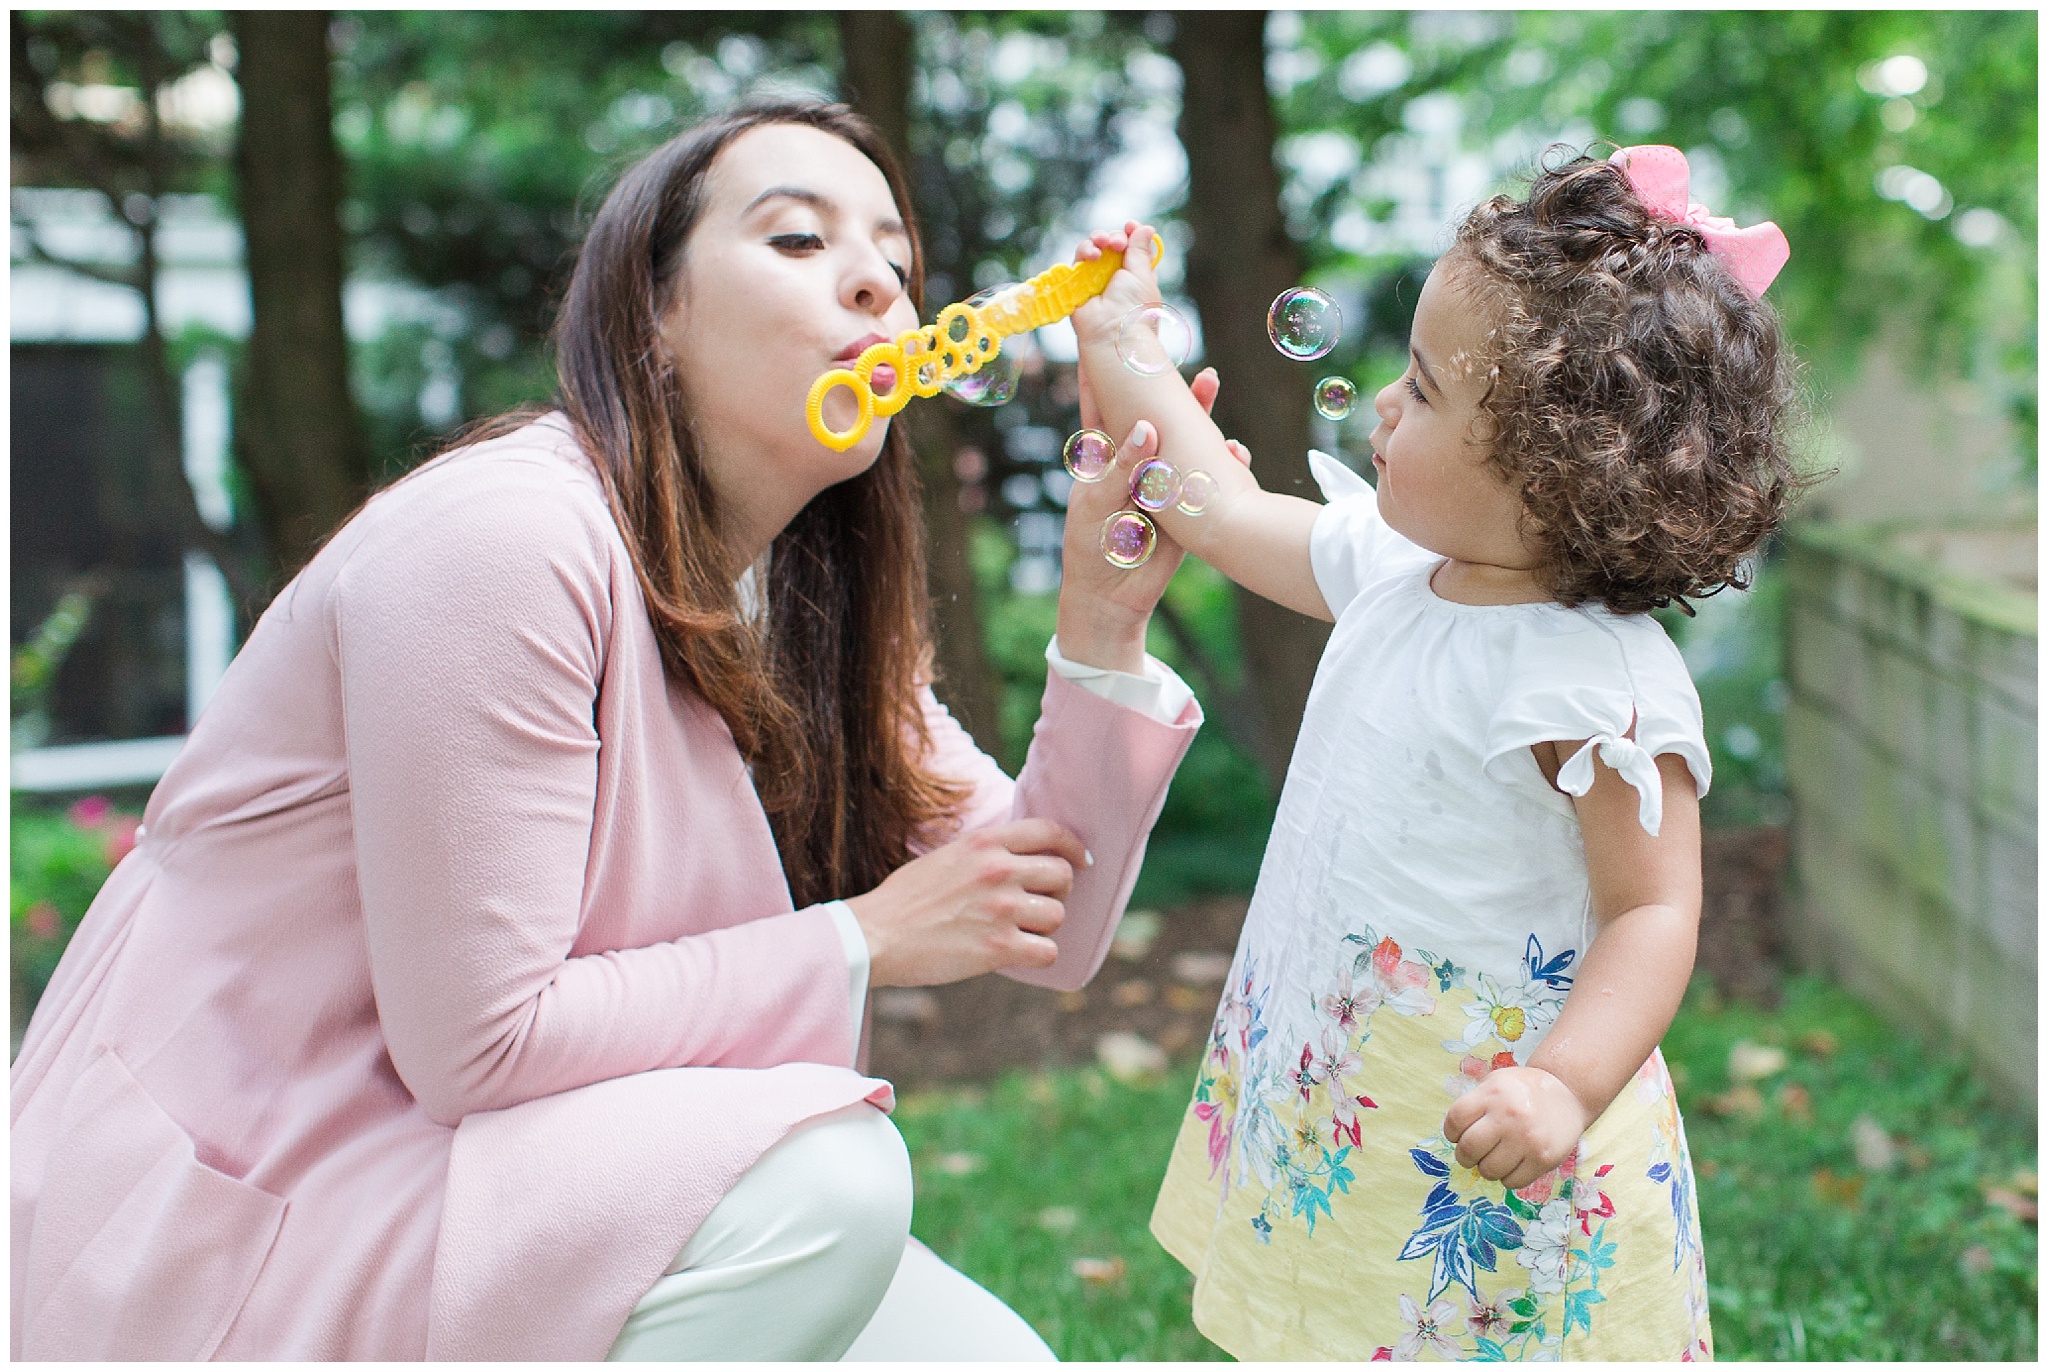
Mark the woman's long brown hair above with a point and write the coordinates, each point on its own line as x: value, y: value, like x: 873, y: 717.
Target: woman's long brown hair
x: 823, y: 697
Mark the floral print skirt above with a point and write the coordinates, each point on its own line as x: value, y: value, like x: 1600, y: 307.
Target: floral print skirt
x: 1313, y: 1195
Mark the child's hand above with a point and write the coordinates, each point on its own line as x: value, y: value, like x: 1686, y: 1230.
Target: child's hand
x: 1515, y: 1126
x: 1133, y: 286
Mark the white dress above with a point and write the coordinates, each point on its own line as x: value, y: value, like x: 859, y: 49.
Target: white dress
x: 1422, y: 906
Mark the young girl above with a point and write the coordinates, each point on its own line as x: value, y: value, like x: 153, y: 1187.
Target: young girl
x: 1432, y: 1119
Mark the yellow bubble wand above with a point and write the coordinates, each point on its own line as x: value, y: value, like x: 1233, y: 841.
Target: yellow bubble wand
x: 960, y: 342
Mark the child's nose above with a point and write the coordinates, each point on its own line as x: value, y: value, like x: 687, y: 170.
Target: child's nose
x: 1387, y: 403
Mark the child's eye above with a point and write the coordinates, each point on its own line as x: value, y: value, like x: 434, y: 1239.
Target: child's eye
x: 798, y: 242
x: 1415, y: 390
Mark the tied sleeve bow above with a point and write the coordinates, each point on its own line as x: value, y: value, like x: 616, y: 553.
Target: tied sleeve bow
x: 1635, y: 765
x: 1661, y: 177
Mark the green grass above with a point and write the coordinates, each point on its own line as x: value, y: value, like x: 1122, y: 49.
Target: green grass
x: 1808, y: 1257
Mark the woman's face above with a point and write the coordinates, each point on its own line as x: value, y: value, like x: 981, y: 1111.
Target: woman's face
x: 797, y: 264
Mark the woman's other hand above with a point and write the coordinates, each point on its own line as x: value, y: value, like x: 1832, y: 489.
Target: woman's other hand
x: 986, y: 901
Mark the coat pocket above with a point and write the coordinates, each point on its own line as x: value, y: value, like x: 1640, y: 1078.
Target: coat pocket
x: 139, y: 1250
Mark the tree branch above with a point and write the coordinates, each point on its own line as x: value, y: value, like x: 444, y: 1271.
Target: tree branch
x: 43, y: 255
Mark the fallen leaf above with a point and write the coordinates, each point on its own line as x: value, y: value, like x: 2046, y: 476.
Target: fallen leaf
x: 1135, y: 934
x: 1128, y: 1057
x: 1818, y: 1043
x: 1975, y: 1261
x: 958, y: 1164
x: 1754, y: 1061
x: 1875, y: 1151
x: 1100, y: 1271
x: 1134, y: 992
x: 1743, y: 1100
x: 1796, y: 1101
x: 898, y: 1006
x: 2023, y: 1208
x: 1201, y: 969
x: 1841, y: 1190
x: 1187, y: 999
x: 1058, y: 1218
x: 1073, y: 1000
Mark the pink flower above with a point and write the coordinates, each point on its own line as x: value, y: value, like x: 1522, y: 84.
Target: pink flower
x: 1344, y: 1007
x: 1344, y: 1118
x: 1307, y: 1076
x: 42, y: 920
x: 1489, y: 1318
x: 91, y: 812
x: 1432, y: 1326
x: 121, y: 838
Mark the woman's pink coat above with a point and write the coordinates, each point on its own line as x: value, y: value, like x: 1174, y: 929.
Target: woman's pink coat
x: 455, y: 979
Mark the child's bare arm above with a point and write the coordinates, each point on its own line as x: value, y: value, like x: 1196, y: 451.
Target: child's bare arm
x: 1256, y: 538
x: 1521, y: 1122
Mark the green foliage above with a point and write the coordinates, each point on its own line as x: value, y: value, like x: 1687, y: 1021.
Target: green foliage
x: 1808, y: 1257
x: 1211, y: 833
x: 1735, y: 649
x: 1036, y: 1145
x: 1786, y: 108
x: 32, y: 667
x: 57, y: 862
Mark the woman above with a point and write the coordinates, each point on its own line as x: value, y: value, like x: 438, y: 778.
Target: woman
x: 480, y: 986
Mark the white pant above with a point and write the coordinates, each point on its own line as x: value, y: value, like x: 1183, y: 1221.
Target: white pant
x: 809, y: 1258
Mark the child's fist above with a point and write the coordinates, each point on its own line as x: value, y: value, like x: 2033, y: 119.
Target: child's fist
x: 1134, y: 284
x: 1515, y: 1126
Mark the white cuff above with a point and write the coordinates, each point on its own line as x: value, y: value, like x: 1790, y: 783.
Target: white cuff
x: 1159, y: 693
x: 1636, y: 767
x: 856, y: 945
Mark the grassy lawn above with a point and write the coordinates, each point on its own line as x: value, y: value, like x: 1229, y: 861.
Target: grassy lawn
x: 1810, y: 1255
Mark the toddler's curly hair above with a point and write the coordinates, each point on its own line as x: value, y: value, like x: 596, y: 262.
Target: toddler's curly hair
x: 1639, y: 394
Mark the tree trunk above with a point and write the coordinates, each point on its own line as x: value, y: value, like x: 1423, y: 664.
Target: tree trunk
x: 300, y: 438
x: 1241, y: 259
x: 878, y: 49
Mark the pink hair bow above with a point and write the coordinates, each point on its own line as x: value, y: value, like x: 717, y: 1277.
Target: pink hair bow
x: 1661, y: 178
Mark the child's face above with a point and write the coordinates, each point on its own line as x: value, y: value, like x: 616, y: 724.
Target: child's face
x: 1436, y: 487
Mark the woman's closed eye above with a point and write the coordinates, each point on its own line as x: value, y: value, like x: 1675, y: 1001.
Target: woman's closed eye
x: 810, y: 242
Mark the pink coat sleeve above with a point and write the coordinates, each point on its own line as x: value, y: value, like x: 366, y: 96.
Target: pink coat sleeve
x: 470, y: 630
x: 1099, y: 768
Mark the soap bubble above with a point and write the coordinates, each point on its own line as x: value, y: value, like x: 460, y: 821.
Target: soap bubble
x: 1334, y: 397
x: 1155, y: 484
x: 1089, y: 455
x: 1154, y: 340
x: 1304, y: 323
x: 1197, y: 489
x: 1128, y: 539
x: 996, y: 381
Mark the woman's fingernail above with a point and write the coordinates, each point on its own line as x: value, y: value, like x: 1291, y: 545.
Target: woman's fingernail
x: 1141, y: 435
x: 1088, y: 858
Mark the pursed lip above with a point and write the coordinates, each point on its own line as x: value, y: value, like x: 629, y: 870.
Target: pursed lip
x: 859, y: 346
